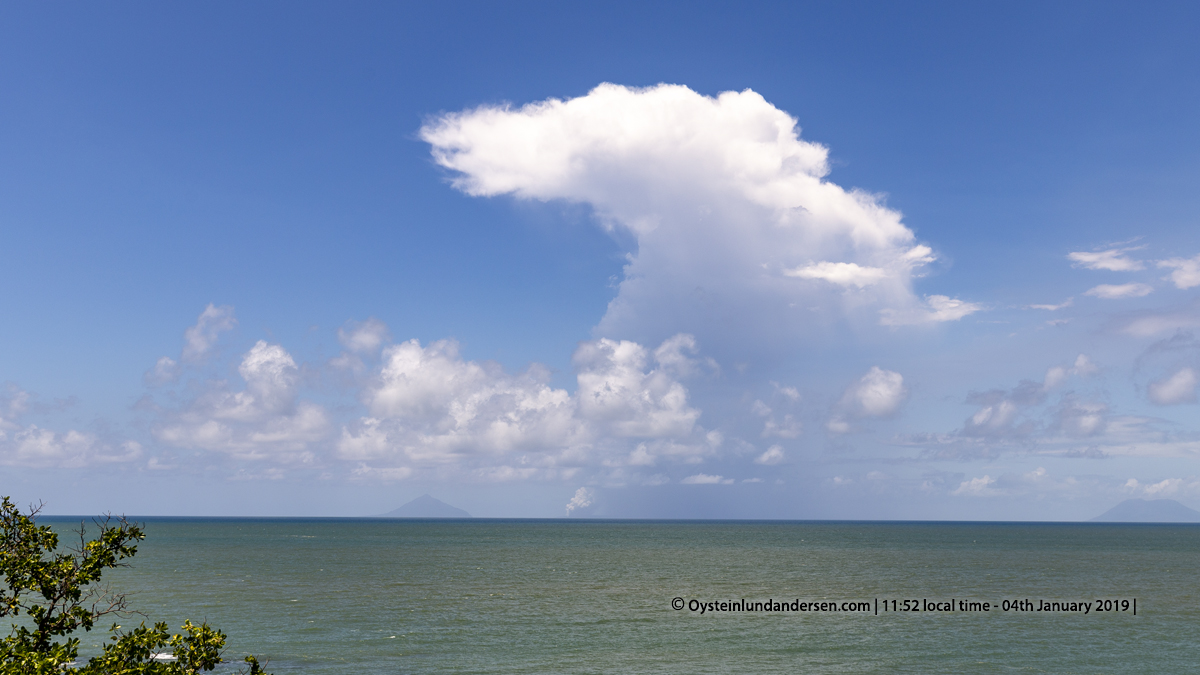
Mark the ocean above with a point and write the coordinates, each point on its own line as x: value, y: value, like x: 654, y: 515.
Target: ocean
x: 341, y: 596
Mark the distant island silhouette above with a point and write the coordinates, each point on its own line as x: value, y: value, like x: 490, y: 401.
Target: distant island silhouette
x: 1152, y: 511
x: 426, y: 506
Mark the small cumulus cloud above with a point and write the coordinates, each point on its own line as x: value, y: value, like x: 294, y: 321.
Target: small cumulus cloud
x: 200, y: 339
x: 1009, y: 414
x: 365, y: 337
x: 1186, y: 272
x: 1005, y: 415
x: 773, y: 455
x: 996, y: 419
x: 1084, y: 366
x: 837, y: 425
x: 786, y: 427
x: 790, y: 392
x: 1056, y: 375
x: 977, y: 487
x: 584, y: 497
x: 362, y: 341
x: 1080, y: 418
x: 198, y: 342
x: 879, y: 393
x: 1179, y: 387
x: 165, y: 371
x: 1024, y: 420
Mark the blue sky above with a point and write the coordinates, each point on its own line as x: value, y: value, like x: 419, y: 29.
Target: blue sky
x: 801, y: 279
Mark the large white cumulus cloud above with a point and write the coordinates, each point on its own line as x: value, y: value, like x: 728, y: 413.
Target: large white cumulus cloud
x: 734, y: 221
x: 446, y: 405
x: 879, y: 393
x: 431, y: 409
x: 425, y: 412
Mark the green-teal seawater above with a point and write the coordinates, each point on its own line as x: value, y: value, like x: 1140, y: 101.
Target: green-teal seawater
x: 341, y: 596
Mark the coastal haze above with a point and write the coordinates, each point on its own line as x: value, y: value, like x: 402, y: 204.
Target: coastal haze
x: 676, y: 261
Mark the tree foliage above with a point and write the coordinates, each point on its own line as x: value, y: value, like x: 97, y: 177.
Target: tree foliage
x: 53, y: 593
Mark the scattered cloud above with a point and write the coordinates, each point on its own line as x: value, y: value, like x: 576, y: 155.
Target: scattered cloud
x: 838, y: 425
x: 386, y: 474
x: 36, y: 447
x: 1056, y: 375
x: 1119, y: 291
x: 264, y: 420
x: 774, y: 427
x: 1164, y: 489
x: 1147, y: 323
x: 935, y: 309
x: 788, y: 427
x: 1037, y: 483
x: 200, y: 339
x: 198, y: 342
x: 1054, y: 308
x: 879, y: 393
x: 1072, y: 428
x: 773, y: 455
x: 165, y: 371
x: 1113, y: 259
x: 24, y: 444
x: 1179, y: 387
x: 1024, y: 419
x: 1084, y: 366
x: 997, y: 416
x: 976, y: 487
x: 790, y: 392
x: 1077, y: 418
x: 365, y: 337
x: 706, y: 479
x: 1187, y: 271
